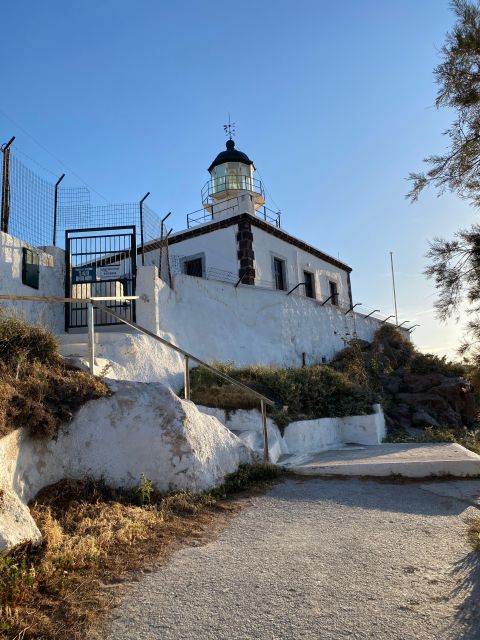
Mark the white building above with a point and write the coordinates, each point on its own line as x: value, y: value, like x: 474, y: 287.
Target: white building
x: 236, y: 239
x: 233, y: 286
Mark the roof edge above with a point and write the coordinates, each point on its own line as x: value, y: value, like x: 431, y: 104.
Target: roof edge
x: 255, y: 221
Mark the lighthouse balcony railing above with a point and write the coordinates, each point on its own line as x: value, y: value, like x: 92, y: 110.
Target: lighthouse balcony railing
x: 232, y: 207
x: 231, y: 182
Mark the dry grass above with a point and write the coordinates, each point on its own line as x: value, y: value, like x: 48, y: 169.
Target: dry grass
x: 94, y: 537
x: 474, y: 532
x: 37, y: 390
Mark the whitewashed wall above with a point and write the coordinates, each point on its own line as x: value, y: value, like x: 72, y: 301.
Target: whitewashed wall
x: 267, y: 246
x: 52, y: 282
x: 219, y: 249
x: 246, y: 325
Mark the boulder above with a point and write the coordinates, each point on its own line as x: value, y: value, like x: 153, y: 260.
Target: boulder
x: 390, y: 384
x: 143, y: 428
x: 421, y: 418
x: 17, y: 527
x: 435, y: 405
x: 460, y: 395
x: 418, y: 383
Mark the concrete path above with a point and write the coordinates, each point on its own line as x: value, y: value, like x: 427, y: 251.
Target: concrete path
x: 407, y: 460
x: 322, y: 559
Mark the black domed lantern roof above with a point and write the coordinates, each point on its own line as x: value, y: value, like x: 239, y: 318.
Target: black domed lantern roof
x: 230, y: 155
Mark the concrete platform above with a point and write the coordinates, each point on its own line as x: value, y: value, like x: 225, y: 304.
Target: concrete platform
x: 408, y: 460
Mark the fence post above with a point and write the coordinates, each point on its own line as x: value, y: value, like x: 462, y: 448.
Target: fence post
x: 55, y: 209
x: 186, y: 377
x: 160, y: 259
x: 91, y: 337
x: 6, y: 186
x: 142, y: 233
x: 266, y: 456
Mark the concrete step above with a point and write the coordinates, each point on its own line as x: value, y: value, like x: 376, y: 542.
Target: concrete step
x: 76, y: 344
x: 407, y: 460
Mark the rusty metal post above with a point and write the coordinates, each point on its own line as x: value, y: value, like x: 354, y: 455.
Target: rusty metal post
x: 55, y: 209
x: 142, y: 232
x: 169, y: 268
x: 186, y: 376
x: 5, y: 214
x: 91, y: 337
x: 266, y: 455
x: 160, y: 258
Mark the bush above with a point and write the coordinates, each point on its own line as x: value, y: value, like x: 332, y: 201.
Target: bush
x: 429, y: 363
x: 301, y: 394
x: 21, y: 343
x: 246, y: 477
x: 468, y: 438
x: 37, y: 390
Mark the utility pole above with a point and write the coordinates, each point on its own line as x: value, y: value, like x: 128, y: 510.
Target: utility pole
x: 394, y: 292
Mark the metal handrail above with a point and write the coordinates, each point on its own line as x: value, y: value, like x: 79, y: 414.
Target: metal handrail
x: 93, y: 302
x: 231, y: 182
x: 264, y: 401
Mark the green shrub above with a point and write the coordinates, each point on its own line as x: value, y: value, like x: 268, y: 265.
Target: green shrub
x: 301, y: 394
x: 468, y: 438
x: 246, y: 477
x: 429, y: 363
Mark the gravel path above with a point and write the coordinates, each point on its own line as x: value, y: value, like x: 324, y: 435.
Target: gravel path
x: 321, y: 559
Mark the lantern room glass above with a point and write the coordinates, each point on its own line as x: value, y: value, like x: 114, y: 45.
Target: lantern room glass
x: 232, y: 176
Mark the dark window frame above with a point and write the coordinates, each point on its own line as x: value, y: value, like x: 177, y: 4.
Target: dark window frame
x: 198, y: 258
x: 309, y: 288
x: 333, y: 291
x: 279, y: 277
x: 30, y: 268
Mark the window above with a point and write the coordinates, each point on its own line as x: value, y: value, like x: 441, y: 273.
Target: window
x: 309, y: 284
x: 333, y: 292
x: 30, y: 268
x: 279, y: 273
x: 193, y: 267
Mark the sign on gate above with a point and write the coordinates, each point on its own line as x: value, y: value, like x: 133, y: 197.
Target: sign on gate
x: 83, y: 274
x: 110, y: 272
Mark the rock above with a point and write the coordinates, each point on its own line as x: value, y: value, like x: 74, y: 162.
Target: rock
x: 419, y: 383
x: 435, y: 405
x: 17, y: 527
x: 143, y: 428
x: 460, y: 395
x: 421, y: 418
x: 390, y: 384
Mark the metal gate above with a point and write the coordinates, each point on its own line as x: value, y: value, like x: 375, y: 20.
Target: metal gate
x: 100, y: 262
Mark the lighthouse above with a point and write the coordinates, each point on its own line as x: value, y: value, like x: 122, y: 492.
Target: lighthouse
x: 232, y: 182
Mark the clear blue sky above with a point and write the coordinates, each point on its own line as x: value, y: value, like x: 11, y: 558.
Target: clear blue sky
x: 332, y: 101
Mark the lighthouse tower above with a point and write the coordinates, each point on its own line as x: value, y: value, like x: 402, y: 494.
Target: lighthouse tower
x: 232, y: 187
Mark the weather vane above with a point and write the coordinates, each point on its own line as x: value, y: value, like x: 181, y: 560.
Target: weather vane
x: 229, y: 128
